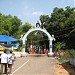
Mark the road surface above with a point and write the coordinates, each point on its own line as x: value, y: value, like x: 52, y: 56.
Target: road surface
x: 34, y: 65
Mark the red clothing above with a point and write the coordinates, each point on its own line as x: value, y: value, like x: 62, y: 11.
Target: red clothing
x: 32, y: 50
x: 45, y: 51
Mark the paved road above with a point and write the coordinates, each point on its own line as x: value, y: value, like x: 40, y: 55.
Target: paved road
x: 42, y: 65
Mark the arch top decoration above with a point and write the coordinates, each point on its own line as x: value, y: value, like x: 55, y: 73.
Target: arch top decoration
x: 38, y: 28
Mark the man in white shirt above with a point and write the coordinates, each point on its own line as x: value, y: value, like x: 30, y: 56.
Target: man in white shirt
x: 4, y: 58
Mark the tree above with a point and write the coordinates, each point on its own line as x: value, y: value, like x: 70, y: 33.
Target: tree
x: 44, y: 19
x: 12, y: 25
x: 26, y: 27
x: 60, y: 23
x: 5, y: 24
x: 15, y: 25
x: 71, y: 39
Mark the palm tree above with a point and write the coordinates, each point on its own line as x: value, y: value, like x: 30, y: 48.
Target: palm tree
x: 58, y: 46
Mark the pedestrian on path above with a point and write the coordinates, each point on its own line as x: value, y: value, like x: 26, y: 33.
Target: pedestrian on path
x: 45, y: 50
x: 13, y: 57
x: 4, y: 58
x: 10, y: 62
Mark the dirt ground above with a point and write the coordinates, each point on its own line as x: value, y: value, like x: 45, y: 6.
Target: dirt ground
x: 65, y: 69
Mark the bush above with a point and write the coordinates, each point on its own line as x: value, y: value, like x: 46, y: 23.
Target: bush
x: 59, y: 45
x: 72, y: 53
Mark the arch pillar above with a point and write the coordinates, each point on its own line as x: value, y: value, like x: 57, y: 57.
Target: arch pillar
x: 50, y: 45
x: 23, y: 45
x: 50, y: 48
x: 23, y: 53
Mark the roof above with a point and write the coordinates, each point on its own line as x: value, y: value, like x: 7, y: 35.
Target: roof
x: 15, y: 46
x: 7, y: 45
x: 5, y: 38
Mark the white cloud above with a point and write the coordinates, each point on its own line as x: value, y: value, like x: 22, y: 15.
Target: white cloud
x: 37, y: 13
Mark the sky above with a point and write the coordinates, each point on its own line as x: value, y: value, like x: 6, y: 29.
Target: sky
x: 30, y: 10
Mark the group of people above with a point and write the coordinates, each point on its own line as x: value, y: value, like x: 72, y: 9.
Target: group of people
x: 39, y: 51
x: 7, y: 62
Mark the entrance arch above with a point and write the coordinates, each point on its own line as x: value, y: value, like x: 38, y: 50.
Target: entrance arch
x: 50, y: 38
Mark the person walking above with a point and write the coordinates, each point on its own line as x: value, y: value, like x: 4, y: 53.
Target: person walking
x: 10, y: 62
x: 4, y: 58
x: 45, y: 50
x: 13, y: 59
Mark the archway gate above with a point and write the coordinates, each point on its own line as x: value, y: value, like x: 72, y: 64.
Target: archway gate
x: 50, y: 38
